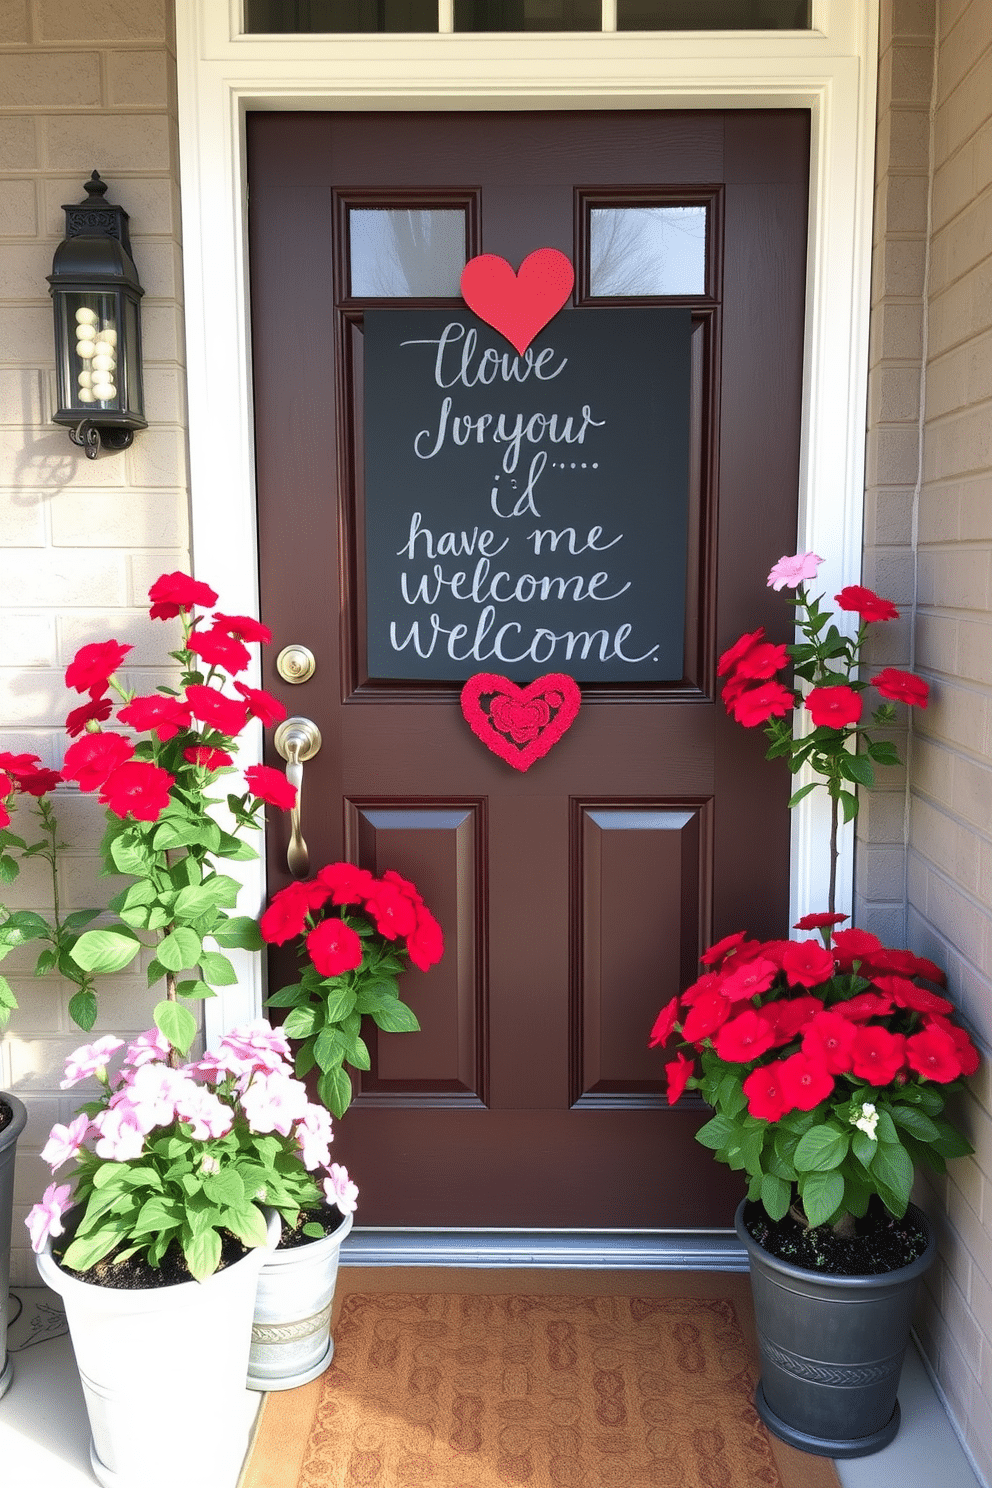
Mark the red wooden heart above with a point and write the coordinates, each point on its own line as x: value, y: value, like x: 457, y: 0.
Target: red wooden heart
x: 518, y: 305
x: 520, y: 724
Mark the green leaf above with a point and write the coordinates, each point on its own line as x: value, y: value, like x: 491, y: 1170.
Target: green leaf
x: 339, y: 1003
x: 358, y: 1055
x: 848, y: 804
x: 177, y: 1023
x: 44, y: 963
x: 9, y: 869
x: 248, y: 1223
x: 717, y: 1133
x: 334, y: 1091
x: 914, y: 1122
x: 802, y: 792
x: 234, y: 849
x: 217, y: 969
x: 397, y: 1018
x: 105, y: 950
x: 80, y: 918
x: 239, y: 931
x: 226, y: 1187
x: 82, y: 1009
x: 822, y: 1195
x: 195, y: 989
x: 129, y: 857
x: 7, y: 998
x: 776, y: 1196
x: 300, y: 1023
x: 203, y: 1254
x: 893, y: 1170
x: 327, y: 1049
x: 864, y: 1148
x: 821, y: 1149
x: 213, y: 893
x: 176, y: 831
x: 858, y: 768
x: 180, y: 949
x: 85, y: 1251
x: 157, y: 1213
x: 288, y: 996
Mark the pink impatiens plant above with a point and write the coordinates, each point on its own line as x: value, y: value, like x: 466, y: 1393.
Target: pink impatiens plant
x: 355, y: 934
x: 177, y: 1156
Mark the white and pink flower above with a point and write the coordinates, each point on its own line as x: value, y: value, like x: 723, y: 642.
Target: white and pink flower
x: 64, y: 1142
x: 91, y: 1059
x: 46, y: 1218
x: 339, y: 1189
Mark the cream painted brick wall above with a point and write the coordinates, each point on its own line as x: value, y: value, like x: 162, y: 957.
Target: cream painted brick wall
x: 949, y: 862
x: 84, y: 84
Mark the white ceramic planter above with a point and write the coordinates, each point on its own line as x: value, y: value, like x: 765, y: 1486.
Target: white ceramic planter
x: 8, y: 1145
x: 163, y: 1373
x: 291, y: 1341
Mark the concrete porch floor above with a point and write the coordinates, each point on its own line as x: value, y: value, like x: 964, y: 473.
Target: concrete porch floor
x: 44, y: 1437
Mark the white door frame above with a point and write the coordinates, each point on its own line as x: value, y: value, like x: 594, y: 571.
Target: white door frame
x: 831, y: 70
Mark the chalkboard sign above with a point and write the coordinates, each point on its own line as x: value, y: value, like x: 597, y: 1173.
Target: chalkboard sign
x: 526, y: 514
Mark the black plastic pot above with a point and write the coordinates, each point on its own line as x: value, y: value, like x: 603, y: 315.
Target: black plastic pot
x: 8, y: 1144
x: 832, y: 1349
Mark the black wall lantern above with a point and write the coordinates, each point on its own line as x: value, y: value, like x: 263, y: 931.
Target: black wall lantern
x: 96, y: 296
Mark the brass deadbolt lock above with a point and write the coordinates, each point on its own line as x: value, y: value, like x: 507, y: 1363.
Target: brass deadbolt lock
x: 296, y: 664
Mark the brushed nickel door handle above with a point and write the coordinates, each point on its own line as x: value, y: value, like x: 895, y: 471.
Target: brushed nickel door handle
x: 297, y: 740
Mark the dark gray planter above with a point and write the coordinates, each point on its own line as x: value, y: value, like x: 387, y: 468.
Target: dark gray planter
x: 8, y: 1144
x: 831, y: 1349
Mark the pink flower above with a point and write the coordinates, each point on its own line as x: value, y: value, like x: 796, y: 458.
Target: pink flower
x: 149, y: 1096
x: 91, y: 1059
x: 314, y: 1137
x: 121, y: 1137
x: 334, y: 948
x: 792, y: 571
x: 270, y: 786
x: 274, y: 1102
x: 147, y: 1047
x: 46, y: 1218
x: 65, y: 1142
x: 203, y: 1111
x: 339, y: 1189
x: 253, y: 1048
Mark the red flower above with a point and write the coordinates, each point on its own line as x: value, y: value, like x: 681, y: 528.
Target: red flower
x: 748, y: 979
x: 833, y: 707
x: 866, y: 1005
x: 968, y: 1056
x: 902, y: 687
x: 934, y: 1055
x: 158, y: 713
x: 4, y: 816
x: 877, y: 1055
x: 173, y: 592
x: 705, y: 1016
x: 828, y: 1037
x: 728, y: 661
x: 663, y: 1024
x: 792, y: 1016
x: 36, y: 782
x: 744, y: 1037
x: 98, y: 709
x: 334, y: 947
x: 723, y: 948
x: 92, y: 758
x: 850, y: 946
x: 758, y: 704
x: 710, y: 981
x: 91, y: 667
x: 765, y: 1097
x: 678, y: 1072
x: 243, y: 626
x: 347, y: 884
x: 6, y: 786
x: 392, y: 911
x: 261, y: 704
x: 207, y: 758
x: 215, y: 709
x: 762, y: 661
x: 908, y: 995
x: 908, y: 965
x: 866, y: 603
x: 805, y: 1081
x: 270, y: 786
x: 138, y: 789
x: 286, y: 915
x: 819, y: 921
x: 806, y: 963
x: 425, y: 944
x: 403, y: 885
x: 218, y: 649
x: 14, y: 763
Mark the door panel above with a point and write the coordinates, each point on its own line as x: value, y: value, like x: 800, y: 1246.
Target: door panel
x: 575, y: 898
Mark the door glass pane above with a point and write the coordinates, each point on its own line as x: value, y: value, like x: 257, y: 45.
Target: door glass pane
x: 528, y: 15
x: 713, y: 15
x: 647, y: 251
x: 307, y: 16
x: 395, y: 252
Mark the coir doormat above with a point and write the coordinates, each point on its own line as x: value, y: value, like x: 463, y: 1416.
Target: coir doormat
x: 609, y: 1384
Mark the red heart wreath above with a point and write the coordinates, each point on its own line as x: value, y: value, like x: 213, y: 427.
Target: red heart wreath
x: 520, y: 724
x: 518, y: 305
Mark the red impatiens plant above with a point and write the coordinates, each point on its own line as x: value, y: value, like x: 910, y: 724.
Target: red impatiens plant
x: 826, y: 686
x: 828, y: 1066
x: 356, y: 934
x: 161, y: 832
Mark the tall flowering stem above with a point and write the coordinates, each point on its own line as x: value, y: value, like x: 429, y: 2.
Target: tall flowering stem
x: 826, y: 692
x: 156, y: 782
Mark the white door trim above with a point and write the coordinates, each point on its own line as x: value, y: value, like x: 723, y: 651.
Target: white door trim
x: 830, y: 70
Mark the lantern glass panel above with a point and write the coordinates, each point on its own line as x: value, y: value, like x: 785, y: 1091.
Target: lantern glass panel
x: 93, y: 343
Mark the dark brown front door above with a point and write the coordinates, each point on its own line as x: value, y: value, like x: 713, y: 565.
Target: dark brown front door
x: 575, y: 898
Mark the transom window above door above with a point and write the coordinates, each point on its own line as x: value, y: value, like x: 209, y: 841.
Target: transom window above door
x: 336, y: 17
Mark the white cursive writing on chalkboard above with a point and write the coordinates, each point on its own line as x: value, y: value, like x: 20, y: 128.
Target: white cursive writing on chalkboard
x: 542, y: 647
x: 526, y: 587
x: 463, y: 428
x: 492, y: 364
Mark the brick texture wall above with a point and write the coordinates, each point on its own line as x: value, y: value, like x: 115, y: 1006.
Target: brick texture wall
x: 925, y: 849
x: 83, y: 86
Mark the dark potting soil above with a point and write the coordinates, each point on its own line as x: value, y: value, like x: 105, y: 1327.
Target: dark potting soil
x: 328, y: 1216
x: 881, y: 1242
x: 135, y: 1274
x: 6, y: 1115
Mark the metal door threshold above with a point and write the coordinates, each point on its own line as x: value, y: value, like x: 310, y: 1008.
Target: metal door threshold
x: 593, y: 1250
